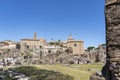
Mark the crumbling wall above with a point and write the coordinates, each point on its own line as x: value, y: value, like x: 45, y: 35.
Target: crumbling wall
x: 111, y: 71
x: 112, y: 13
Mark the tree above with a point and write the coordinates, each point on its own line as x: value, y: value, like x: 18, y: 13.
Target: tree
x: 103, y: 44
x: 59, y: 43
x: 90, y: 48
x: 52, y: 43
x: 49, y: 51
x: 28, y: 54
x: 22, y: 53
x: 7, y: 51
x: 59, y: 40
x: 40, y: 47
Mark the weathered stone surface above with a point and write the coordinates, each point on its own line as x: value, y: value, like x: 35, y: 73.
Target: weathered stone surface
x: 96, y: 77
x: 114, y: 59
x: 113, y: 39
x: 108, y: 2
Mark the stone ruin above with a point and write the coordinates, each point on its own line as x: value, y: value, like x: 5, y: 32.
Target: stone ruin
x: 63, y: 57
x: 113, y: 39
x: 52, y: 58
x: 111, y: 71
x: 96, y: 55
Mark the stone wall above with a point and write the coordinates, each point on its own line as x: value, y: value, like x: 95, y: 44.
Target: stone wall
x: 111, y: 71
x: 112, y: 13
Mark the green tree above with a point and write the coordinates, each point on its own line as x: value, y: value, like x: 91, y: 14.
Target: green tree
x: 40, y: 47
x: 103, y: 44
x: 49, y: 51
x: 52, y: 43
x: 7, y: 51
x: 90, y: 48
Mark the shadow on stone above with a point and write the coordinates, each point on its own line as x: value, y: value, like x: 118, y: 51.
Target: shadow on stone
x: 104, y: 70
x: 41, y: 74
x: 99, y: 75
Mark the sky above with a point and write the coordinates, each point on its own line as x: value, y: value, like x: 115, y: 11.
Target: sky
x: 53, y: 19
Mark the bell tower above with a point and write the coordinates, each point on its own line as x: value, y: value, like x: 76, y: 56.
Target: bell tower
x: 35, y: 35
x: 70, y: 38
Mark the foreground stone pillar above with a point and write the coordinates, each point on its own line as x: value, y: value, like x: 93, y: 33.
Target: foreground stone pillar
x: 113, y: 39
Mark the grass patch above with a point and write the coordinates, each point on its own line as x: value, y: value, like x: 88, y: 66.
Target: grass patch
x: 60, y: 72
x: 41, y: 74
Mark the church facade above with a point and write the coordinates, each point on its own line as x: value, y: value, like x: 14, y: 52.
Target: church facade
x: 77, y: 46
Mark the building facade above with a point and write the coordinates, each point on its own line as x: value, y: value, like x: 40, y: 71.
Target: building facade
x: 77, y: 46
x: 35, y: 44
x: 32, y: 43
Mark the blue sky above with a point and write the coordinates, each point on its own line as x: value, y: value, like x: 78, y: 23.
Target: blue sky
x: 56, y: 19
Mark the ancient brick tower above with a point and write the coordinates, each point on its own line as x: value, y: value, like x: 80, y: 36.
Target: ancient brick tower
x: 113, y: 39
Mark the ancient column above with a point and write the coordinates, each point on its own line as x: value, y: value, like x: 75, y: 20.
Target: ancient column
x: 113, y: 39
